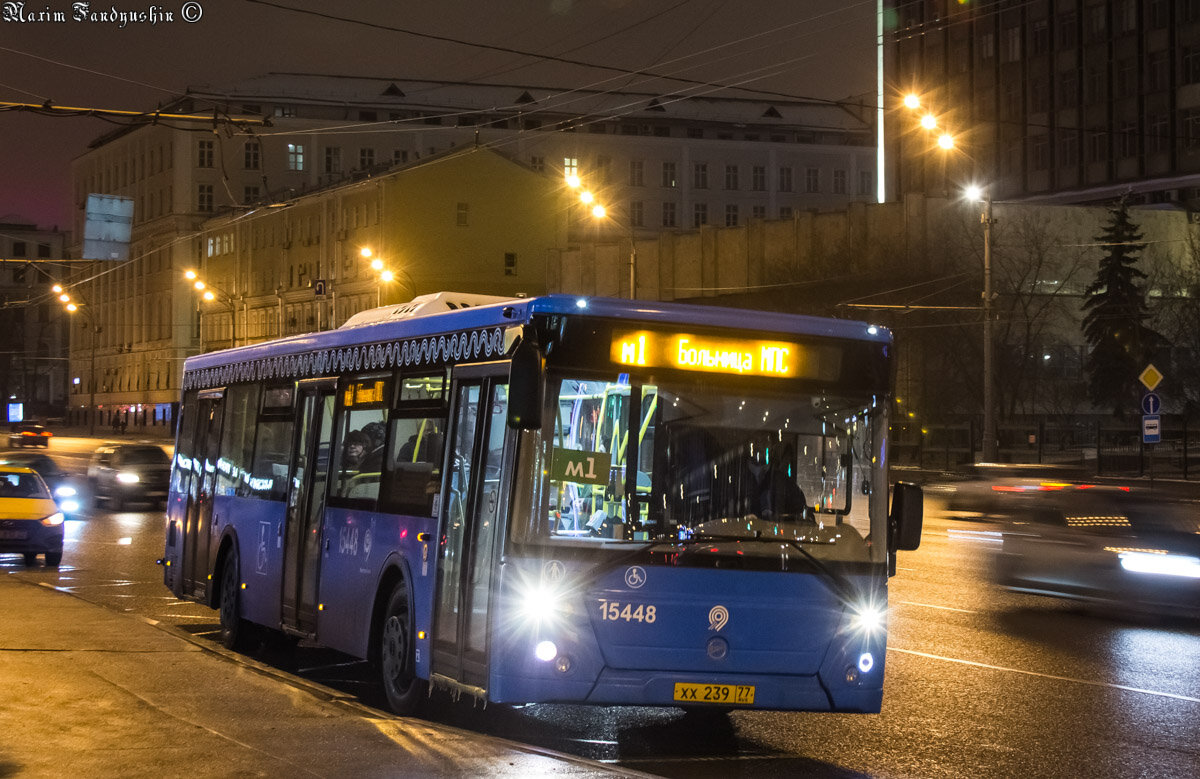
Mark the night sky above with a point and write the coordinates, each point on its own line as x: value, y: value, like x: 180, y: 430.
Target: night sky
x: 803, y: 48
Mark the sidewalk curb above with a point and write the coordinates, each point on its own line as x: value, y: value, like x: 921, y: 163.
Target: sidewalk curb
x: 331, y: 695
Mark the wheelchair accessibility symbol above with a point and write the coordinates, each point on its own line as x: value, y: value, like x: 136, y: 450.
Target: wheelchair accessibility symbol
x: 635, y: 577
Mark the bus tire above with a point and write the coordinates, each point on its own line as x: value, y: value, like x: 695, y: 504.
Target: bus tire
x: 397, y: 655
x: 234, y: 630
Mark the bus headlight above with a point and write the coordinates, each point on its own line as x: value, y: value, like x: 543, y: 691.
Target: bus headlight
x: 540, y: 604
x: 128, y: 477
x: 868, y: 618
x: 545, y: 651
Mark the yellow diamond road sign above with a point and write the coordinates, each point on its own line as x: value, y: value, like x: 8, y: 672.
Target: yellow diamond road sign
x: 1150, y: 377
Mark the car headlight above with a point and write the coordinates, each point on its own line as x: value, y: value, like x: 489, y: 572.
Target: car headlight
x: 64, y: 491
x: 56, y: 518
x: 1161, y: 564
x: 128, y: 477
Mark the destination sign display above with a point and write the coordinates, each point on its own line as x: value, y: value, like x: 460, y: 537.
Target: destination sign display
x: 369, y: 392
x: 741, y: 356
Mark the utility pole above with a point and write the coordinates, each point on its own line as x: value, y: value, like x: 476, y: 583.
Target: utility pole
x: 989, y: 409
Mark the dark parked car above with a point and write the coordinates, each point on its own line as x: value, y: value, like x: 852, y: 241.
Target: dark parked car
x: 60, y: 482
x: 30, y: 521
x: 26, y: 434
x: 123, y: 474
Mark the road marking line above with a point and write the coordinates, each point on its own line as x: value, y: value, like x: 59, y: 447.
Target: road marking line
x: 932, y: 606
x: 1046, y: 676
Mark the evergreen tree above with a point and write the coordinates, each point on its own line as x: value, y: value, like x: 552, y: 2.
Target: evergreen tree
x: 1114, y: 321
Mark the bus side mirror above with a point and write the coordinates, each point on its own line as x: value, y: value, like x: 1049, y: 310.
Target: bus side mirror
x: 525, y: 387
x: 904, y: 521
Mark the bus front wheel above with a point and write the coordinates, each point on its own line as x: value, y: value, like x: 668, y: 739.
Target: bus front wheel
x: 397, y: 655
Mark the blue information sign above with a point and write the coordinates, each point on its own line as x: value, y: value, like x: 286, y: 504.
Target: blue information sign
x: 1151, y: 432
x: 1151, y: 403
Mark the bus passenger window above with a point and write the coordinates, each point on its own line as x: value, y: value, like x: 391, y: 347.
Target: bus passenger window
x: 359, y: 455
x: 414, y: 465
x: 272, y: 453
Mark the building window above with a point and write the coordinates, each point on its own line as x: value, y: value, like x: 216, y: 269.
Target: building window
x: 1126, y: 16
x: 1127, y: 137
x: 1068, y: 89
x: 1097, y: 23
x: 1191, y: 128
x: 758, y: 212
x: 668, y: 175
x: 1068, y: 149
x: 253, y: 155
x: 204, y: 154
x: 864, y: 182
x: 250, y: 195
x: 637, y: 173
x: 1191, y: 64
x: 758, y: 178
x: 637, y: 213
x: 1127, y: 77
x: 812, y: 180
x: 699, y: 214
x: 570, y: 167
x: 285, y: 111
x: 700, y: 175
x: 1039, y: 37
x: 1068, y: 35
x: 510, y: 264
x: 731, y: 177
x: 695, y: 132
x: 204, y: 197
x: 1158, y: 65
x: 462, y: 214
x: 295, y: 156
x: 987, y: 46
x: 785, y: 179
x: 333, y: 159
x: 400, y: 156
x: 538, y: 164
x: 1039, y: 152
x: 18, y: 248
x: 366, y: 158
x: 1039, y: 98
x: 43, y: 251
x: 1097, y: 148
x: 785, y: 212
x: 603, y: 169
x: 1095, y: 85
x: 668, y: 214
x: 1157, y: 11
x: 1158, y: 133
x: 731, y: 215
x: 1011, y: 42
x: 839, y: 182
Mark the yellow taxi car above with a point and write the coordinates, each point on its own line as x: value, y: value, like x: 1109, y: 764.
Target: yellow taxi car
x: 31, y: 523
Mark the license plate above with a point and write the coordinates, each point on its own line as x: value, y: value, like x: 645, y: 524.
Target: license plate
x: 14, y: 535
x: 726, y: 694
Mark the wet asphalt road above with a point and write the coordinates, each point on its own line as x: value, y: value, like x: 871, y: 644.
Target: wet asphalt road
x: 980, y: 682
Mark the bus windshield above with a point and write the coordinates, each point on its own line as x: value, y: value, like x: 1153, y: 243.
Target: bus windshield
x: 626, y: 461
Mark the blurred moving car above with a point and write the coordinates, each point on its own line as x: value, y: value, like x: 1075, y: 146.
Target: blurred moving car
x: 30, y: 521
x: 1111, y: 549
x: 26, y: 434
x: 61, y: 484
x: 124, y: 474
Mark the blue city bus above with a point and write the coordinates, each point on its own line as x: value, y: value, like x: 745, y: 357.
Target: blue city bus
x: 554, y: 499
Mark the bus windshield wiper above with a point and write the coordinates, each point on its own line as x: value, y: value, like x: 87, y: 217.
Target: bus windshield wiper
x: 837, y: 581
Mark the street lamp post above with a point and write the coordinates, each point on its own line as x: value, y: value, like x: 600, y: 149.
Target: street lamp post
x: 989, y: 411
x: 93, y: 331
x: 599, y: 211
x: 211, y: 293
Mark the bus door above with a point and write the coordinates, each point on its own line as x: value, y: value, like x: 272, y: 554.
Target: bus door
x: 197, y: 525
x: 306, y: 504
x: 474, y: 507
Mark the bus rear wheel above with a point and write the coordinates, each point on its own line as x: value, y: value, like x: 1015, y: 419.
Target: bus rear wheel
x: 234, y: 630
x: 397, y: 655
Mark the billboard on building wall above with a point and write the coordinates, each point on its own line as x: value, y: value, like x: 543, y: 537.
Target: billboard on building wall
x: 107, y: 227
